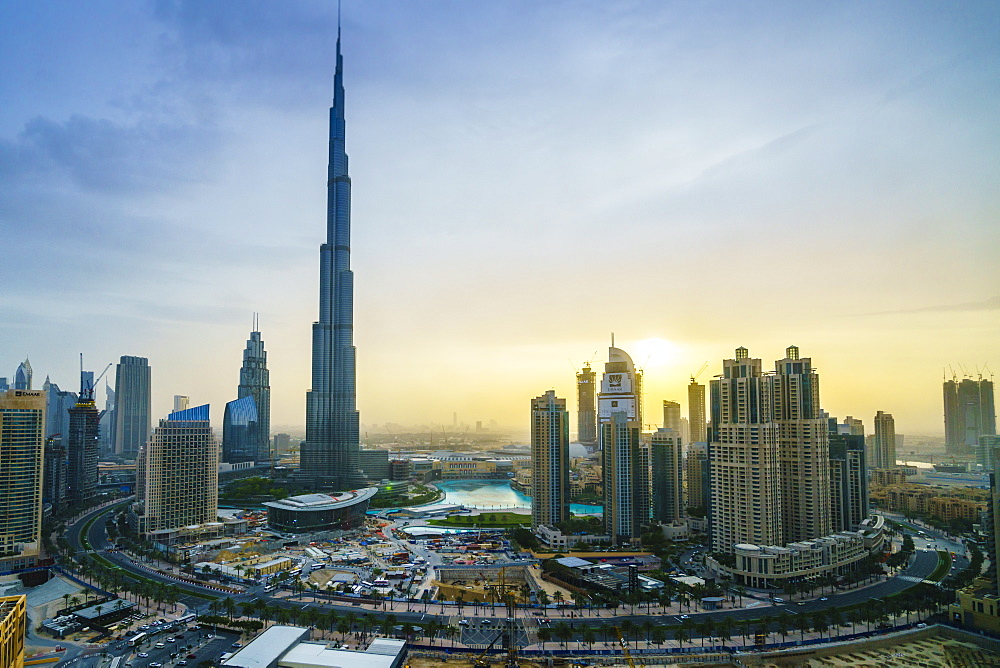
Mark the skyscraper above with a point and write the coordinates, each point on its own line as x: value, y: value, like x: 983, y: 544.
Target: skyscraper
x: 177, y: 479
x: 619, y: 414
x: 107, y: 424
x: 672, y: 416
x: 696, y: 477
x: 22, y: 426
x: 181, y: 402
x: 255, y: 382
x: 81, y: 448
x: 57, y: 405
x: 745, y: 469
x: 240, y: 431
x: 329, y: 456
x: 969, y: 412
x: 22, y: 377
x: 666, y: 475
x: 549, y: 460
x: 803, y: 448
x: 883, y: 452
x: 696, y: 412
x: 848, y: 482
x: 132, y: 401
x: 586, y: 406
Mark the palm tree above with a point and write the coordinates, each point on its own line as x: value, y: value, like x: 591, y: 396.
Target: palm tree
x: 558, y: 598
x: 589, y: 636
x: 726, y: 627
x: 544, y: 634
x: 563, y: 632
x: 802, y: 622
x: 450, y: 632
x: 682, y: 635
x: 706, y: 628
x: 784, y: 624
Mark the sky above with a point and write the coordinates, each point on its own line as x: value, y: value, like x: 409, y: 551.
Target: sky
x: 527, y: 179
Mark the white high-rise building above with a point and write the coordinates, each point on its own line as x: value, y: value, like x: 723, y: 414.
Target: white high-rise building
x: 177, y: 478
x: 883, y: 453
x: 549, y: 460
x: 743, y: 458
x: 619, y: 414
x: 803, y: 448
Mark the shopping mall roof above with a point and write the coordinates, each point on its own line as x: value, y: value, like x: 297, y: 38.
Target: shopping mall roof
x: 306, y: 502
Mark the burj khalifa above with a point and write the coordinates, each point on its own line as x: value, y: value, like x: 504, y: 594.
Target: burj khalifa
x: 329, y: 456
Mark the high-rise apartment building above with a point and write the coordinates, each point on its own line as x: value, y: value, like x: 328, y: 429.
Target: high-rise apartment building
x: 667, y: 475
x: 54, y: 475
x: 329, y: 456
x: 549, y: 460
x: 281, y: 444
x: 625, y: 479
x: 696, y: 412
x: 181, y: 402
x: 241, y: 431
x: 969, y: 412
x: 586, y: 406
x: 81, y: 448
x: 22, y: 447
x: 13, y: 630
x: 22, y: 377
x: 132, y: 405
x: 854, y: 427
x: 177, y: 477
x: 57, y: 405
x: 107, y: 424
x: 696, y: 477
x: 803, y: 448
x: 883, y: 445
x: 4, y: 386
x: 255, y: 382
x: 672, y: 416
x: 848, y: 482
x: 745, y: 468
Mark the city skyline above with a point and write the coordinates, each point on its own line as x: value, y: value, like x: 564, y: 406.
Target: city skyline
x: 863, y: 156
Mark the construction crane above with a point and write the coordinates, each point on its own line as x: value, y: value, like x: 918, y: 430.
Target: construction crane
x: 628, y: 655
x: 694, y: 376
x: 480, y: 661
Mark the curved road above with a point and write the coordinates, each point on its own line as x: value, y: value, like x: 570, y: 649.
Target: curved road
x: 922, y: 565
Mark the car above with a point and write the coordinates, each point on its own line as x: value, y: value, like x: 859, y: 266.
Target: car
x: 801, y: 603
x: 191, y: 656
x: 159, y: 645
x: 144, y: 627
x: 182, y: 662
x: 171, y: 639
x: 685, y: 616
x: 921, y: 625
x: 546, y: 620
x: 156, y: 664
x: 464, y: 622
x: 823, y: 598
x: 236, y: 644
x: 143, y: 655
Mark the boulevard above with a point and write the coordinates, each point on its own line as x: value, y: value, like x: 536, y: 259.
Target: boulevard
x: 477, y: 625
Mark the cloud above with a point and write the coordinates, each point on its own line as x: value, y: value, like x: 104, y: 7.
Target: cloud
x: 103, y: 155
x: 990, y: 304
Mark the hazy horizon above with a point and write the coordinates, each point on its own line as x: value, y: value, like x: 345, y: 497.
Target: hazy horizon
x: 527, y: 179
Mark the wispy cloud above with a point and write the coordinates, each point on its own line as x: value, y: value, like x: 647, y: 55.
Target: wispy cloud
x: 991, y: 304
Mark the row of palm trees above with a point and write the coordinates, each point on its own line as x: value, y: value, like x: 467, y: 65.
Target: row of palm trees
x: 117, y: 581
x: 329, y: 621
x: 923, y: 600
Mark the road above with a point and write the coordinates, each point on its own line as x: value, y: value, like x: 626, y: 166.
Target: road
x: 479, y: 634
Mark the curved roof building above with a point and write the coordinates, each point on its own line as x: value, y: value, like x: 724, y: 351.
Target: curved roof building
x: 307, y: 513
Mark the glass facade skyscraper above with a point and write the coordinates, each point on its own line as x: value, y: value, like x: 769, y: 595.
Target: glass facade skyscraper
x: 240, y: 431
x: 329, y: 456
x: 132, y: 401
x: 255, y: 382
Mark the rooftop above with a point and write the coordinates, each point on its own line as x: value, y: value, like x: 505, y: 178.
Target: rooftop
x: 323, y: 501
x: 267, y: 648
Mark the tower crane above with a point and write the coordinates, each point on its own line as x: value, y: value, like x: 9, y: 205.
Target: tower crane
x: 694, y: 376
x: 628, y: 655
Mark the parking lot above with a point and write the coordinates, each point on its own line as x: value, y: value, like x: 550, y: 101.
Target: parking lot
x: 187, y: 647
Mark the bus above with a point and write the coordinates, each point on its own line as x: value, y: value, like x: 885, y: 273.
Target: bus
x: 136, y: 640
x: 186, y: 619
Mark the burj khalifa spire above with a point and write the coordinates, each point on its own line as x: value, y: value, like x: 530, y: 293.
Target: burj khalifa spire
x: 329, y: 456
